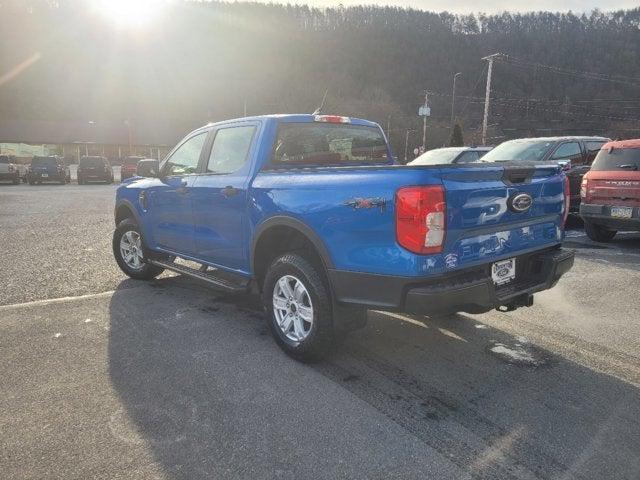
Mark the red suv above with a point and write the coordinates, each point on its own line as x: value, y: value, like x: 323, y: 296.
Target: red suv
x: 129, y: 167
x: 611, y: 191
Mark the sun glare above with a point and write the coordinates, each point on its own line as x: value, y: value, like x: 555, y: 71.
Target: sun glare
x: 129, y: 13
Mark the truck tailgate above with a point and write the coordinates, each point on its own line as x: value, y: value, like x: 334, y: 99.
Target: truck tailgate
x: 482, y: 222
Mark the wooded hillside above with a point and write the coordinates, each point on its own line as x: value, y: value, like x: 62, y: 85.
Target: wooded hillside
x: 198, y: 62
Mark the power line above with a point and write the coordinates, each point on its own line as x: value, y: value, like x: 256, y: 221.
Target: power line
x: 621, y: 79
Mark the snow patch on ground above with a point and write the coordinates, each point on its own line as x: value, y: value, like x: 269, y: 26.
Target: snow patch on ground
x: 519, y: 354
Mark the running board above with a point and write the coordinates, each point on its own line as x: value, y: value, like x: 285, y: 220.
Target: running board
x: 204, y: 275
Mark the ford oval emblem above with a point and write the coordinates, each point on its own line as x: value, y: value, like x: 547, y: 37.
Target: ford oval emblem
x: 520, y: 202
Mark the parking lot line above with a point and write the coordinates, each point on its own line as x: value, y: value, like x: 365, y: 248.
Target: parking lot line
x: 49, y: 301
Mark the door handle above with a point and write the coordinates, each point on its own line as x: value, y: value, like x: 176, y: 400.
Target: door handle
x: 229, y: 191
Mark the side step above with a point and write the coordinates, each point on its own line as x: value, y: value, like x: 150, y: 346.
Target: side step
x: 210, y: 276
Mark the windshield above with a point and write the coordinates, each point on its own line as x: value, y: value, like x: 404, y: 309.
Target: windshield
x: 617, y: 159
x: 4, y: 159
x: 92, y: 162
x: 525, y: 150
x: 329, y: 144
x: 43, y: 161
x: 438, y: 156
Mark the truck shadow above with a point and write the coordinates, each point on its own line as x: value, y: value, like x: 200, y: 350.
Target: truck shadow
x: 203, y: 386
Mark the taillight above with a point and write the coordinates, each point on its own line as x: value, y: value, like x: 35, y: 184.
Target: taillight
x: 11, y: 168
x: 421, y: 218
x: 567, y: 200
x: 332, y: 119
x: 584, y: 189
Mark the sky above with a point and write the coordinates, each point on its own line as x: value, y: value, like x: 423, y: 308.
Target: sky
x: 487, y: 6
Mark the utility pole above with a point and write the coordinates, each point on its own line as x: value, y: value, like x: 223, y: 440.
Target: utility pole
x: 245, y: 107
x: 487, y: 95
x: 453, y: 97
x: 424, y: 123
x: 388, y: 127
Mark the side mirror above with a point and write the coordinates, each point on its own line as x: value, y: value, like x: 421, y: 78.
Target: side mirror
x: 148, y: 168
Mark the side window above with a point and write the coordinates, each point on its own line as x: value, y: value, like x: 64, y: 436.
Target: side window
x: 593, y: 148
x: 468, y: 157
x: 567, y: 151
x: 230, y: 149
x: 185, y: 159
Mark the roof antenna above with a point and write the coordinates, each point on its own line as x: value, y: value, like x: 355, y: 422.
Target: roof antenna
x: 318, y: 111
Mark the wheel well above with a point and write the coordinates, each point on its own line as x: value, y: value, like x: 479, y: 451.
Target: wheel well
x: 279, y: 240
x: 123, y: 212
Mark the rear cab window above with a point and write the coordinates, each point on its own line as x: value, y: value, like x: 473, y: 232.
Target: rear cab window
x: 328, y: 144
x: 620, y: 159
x: 93, y: 162
x: 44, y: 161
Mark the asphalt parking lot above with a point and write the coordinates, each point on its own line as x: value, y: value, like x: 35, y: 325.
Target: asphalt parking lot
x: 106, y: 377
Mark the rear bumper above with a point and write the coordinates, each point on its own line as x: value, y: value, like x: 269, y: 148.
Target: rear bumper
x: 51, y: 177
x: 470, y: 290
x: 601, y: 215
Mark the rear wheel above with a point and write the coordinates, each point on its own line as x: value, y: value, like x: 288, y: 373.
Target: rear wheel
x: 298, y: 308
x: 598, y: 233
x: 16, y: 181
x: 128, y: 249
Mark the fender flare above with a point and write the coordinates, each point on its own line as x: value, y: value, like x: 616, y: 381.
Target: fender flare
x: 130, y: 207
x: 304, y: 229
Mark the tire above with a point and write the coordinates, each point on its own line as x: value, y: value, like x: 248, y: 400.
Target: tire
x: 16, y: 181
x: 598, y: 233
x: 31, y: 182
x: 318, y: 334
x: 146, y: 271
x: 80, y: 182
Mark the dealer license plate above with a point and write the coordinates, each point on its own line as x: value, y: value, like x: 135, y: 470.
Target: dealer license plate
x: 503, y: 271
x: 621, y: 212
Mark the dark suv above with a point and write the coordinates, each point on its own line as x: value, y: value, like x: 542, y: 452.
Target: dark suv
x: 575, y: 154
x: 94, y: 169
x: 48, y: 169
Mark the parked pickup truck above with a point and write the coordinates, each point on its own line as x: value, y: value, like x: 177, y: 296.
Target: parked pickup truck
x: 309, y: 212
x: 9, y: 169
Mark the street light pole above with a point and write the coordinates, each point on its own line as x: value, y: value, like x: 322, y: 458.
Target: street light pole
x: 487, y: 95
x: 453, y: 97
x: 406, y: 145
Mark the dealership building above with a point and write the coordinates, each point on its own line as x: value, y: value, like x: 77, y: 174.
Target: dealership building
x: 74, y: 139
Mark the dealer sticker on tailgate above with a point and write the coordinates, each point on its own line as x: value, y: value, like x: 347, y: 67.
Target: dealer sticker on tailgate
x: 503, y: 271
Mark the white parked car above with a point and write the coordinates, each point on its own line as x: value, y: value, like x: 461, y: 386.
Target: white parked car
x: 449, y: 155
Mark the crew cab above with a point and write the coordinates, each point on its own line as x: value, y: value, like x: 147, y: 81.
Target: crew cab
x: 309, y: 212
x: 574, y: 153
x: 9, y: 170
x: 611, y: 191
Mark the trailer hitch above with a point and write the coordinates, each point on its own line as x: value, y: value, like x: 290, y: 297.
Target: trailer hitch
x: 524, y: 300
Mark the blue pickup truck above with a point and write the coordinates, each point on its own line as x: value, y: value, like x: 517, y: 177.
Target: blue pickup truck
x: 310, y: 212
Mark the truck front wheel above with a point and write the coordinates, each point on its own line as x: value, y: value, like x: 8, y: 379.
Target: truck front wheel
x: 129, y: 251
x: 298, y: 308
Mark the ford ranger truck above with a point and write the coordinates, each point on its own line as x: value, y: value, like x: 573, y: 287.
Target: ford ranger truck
x: 310, y: 212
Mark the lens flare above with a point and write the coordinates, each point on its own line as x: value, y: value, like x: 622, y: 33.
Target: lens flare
x: 129, y: 13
